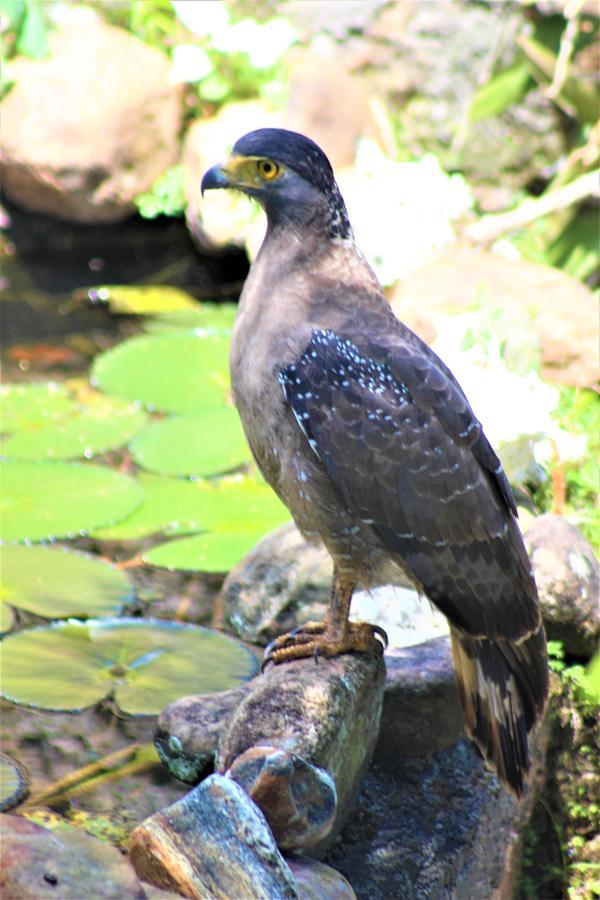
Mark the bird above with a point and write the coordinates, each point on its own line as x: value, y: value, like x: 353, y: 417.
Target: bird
x: 369, y: 440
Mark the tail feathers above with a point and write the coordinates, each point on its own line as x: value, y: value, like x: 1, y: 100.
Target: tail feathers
x: 503, y: 687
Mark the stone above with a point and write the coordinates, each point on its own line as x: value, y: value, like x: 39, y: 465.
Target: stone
x: 567, y: 575
x: 421, y: 712
x: 69, y: 865
x: 316, y: 881
x: 82, y: 133
x: 187, y: 732
x: 326, y: 712
x: 213, y: 843
x: 298, y: 799
x: 558, y: 311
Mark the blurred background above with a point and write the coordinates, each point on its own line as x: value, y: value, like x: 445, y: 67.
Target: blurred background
x: 465, y: 137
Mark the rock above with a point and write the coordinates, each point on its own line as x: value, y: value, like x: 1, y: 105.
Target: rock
x: 406, y: 617
x: 548, y: 305
x: 437, y: 827
x: 71, y: 864
x: 328, y: 715
x: 567, y: 575
x: 421, y: 712
x: 213, y: 843
x: 80, y: 137
x: 316, y: 881
x: 187, y: 732
x: 282, y: 582
x: 298, y: 799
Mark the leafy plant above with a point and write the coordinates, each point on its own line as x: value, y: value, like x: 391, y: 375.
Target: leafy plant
x: 166, y: 197
x: 142, y: 664
x: 25, y: 30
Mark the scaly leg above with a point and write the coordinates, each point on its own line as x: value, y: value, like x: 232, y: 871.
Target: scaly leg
x: 332, y: 637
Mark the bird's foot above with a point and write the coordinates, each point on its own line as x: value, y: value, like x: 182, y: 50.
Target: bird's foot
x: 315, y: 639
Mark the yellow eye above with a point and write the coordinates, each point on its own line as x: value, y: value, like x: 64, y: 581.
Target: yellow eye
x: 267, y: 169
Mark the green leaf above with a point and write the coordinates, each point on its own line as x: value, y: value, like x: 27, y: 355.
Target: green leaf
x: 500, y: 92
x: 14, y: 10
x: 33, y: 405
x: 56, y: 582
x: 216, y: 551
x: 166, y: 196
x: 33, y: 38
x: 207, y: 317
x: 14, y: 782
x: 575, y: 91
x: 174, y: 506
x: 45, y: 500
x: 178, y: 373
x: 104, y: 426
x: 206, y: 444
x: 142, y: 663
x: 142, y: 300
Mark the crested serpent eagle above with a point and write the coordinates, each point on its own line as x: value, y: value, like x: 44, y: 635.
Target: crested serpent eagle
x: 369, y: 440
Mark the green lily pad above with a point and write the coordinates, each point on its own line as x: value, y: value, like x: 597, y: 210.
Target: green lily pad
x: 175, y: 506
x: 57, y: 582
x: 143, y: 663
x: 142, y: 300
x: 33, y: 405
x: 44, y: 500
x: 217, y: 551
x: 205, y: 444
x: 103, y: 426
x: 208, y: 317
x: 14, y: 782
x: 178, y: 373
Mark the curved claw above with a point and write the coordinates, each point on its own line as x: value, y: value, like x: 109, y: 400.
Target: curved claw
x: 382, y: 634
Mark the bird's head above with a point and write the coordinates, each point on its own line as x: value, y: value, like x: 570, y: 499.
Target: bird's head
x: 289, y: 175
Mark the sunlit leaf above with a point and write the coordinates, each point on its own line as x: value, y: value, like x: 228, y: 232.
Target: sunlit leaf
x: 204, y: 444
x: 179, y: 373
x: 142, y: 300
x: 104, y: 426
x: 142, y: 663
x: 575, y: 91
x: 216, y: 551
x: 33, y: 405
x: 42, y: 500
x: 500, y: 92
x: 207, y: 317
x: 14, y: 782
x: 33, y: 39
x: 56, y: 582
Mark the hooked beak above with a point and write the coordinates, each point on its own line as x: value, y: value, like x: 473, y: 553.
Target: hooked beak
x: 214, y: 179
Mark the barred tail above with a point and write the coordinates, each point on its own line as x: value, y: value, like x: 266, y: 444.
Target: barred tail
x: 503, y: 687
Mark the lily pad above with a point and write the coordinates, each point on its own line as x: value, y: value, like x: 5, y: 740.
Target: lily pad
x: 56, y: 582
x: 14, y: 782
x: 175, y: 506
x: 208, y: 317
x: 142, y: 663
x: 141, y: 300
x: 217, y: 551
x: 33, y: 405
x: 43, y: 500
x: 178, y: 373
x: 104, y: 426
x: 205, y: 444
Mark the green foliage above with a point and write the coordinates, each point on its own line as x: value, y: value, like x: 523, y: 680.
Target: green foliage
x: 140, y: 663
x: 33, y: 405
x: 500, y: 92
x: 26, y: 30
x: 55, y: 582
x: 130, y: 300
x: 166, y: 197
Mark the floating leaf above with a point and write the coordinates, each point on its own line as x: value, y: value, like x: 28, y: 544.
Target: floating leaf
x: 208, y: 317
x: 179, y: 373
x: 42, y: 500
x: 141, y: 300
x: 500, y: 92
x: 204, y: 444
x: 175, y: 506
x: 216, y: 551
x: 104, y: 426
x: 33, y: 405
x: 143, y: 663
x: 14, y: 782
x: 56, y: 582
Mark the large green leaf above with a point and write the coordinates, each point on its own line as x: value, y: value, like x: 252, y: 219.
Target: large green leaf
x: 500, y: 92
x: 216, y: 551
x: 33, y: 405
x: 144, y: 664
x: 45, y: 500
x: 208, y: 317
x: 177, y: 506
x: 204, y: 444
x: 103, y: 426
x: 179, y: 373
x: 56, y: 582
